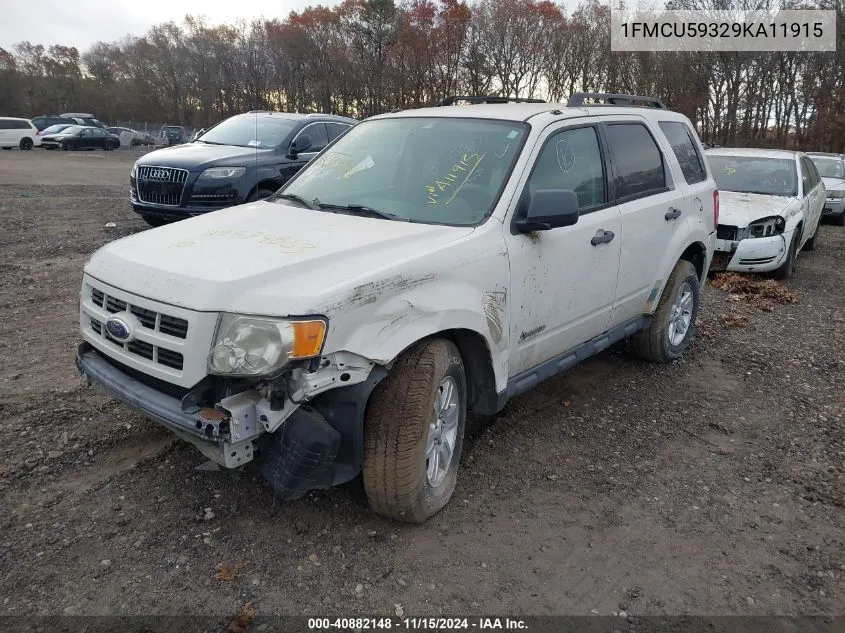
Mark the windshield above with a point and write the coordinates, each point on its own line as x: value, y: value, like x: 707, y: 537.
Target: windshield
x: 754, y: 174
x: 72, y: 129
x: 55, y: 128
x: 430, y: 170
x: 829, y: 167
x: 250, y: 131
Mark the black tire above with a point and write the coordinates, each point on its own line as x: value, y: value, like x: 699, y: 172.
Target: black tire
x: 813, y: 243
x: 396, y: 430
x: 65, y: 146
x: 26, y: 143
x: 840, y: 221
x: 108, y: 147
x: 261, y: 194
x: 655, y: 342
x: 787, y: 269
x: 7, y: 148
x: 153, y: 220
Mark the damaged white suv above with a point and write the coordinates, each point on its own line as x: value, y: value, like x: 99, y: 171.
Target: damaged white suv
x: 427, y: 264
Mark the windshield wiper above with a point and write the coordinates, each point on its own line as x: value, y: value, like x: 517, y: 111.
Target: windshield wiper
x: 362, y: 209
x: 295, y: 198
x: 199, y: 140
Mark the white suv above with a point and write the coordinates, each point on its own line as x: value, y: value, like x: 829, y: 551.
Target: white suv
x: 18, y: 133
x: 428, y: 263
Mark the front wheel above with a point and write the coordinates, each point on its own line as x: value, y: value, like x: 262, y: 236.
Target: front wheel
x: 673, y: 323
x: 813, y: 243
x: 413, y: 433
x: 787, y: 269
x: 261, y: 194
x: 65, y: 146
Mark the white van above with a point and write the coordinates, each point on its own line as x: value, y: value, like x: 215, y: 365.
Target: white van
x: 18, y: 133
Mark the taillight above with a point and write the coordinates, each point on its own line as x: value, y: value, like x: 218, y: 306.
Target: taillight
x: 715, y: 208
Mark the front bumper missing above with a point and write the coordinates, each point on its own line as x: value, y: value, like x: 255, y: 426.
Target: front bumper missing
x: 315, y: 446
x: 202, y: 428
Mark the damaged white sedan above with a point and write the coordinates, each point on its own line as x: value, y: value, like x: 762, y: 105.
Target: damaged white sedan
x: 770, y: 205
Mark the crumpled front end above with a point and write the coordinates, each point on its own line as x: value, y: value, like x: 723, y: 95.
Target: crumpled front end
x: 304, y: 426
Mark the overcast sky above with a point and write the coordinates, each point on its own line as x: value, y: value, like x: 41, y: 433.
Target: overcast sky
x: 80, y: 23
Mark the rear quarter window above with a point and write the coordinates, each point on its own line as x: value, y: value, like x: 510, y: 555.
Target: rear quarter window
x: 638, y: 169
x: 684, y: 147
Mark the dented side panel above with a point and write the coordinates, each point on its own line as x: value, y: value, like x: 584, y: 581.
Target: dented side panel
x: 463, y: 286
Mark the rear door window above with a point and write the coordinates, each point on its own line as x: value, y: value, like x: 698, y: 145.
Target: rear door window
x: 6, y: 124
x: 638, y: 169
x: 680, y: 138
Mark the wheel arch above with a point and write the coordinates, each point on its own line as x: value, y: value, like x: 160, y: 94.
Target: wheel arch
x: 266, y: 183
x: 696, y: 254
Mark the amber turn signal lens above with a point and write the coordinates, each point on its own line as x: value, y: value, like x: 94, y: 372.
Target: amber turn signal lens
x: 308, y: 337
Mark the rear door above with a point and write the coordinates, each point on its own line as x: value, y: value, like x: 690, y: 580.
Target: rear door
x: 654, y: 209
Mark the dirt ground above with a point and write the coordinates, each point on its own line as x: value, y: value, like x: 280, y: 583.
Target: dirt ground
x: 714, y: 485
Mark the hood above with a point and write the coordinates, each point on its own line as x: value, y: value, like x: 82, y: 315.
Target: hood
x: 198, y: 156
x: 263, y: 258
x: 834, y: 184
x: 740, y: 209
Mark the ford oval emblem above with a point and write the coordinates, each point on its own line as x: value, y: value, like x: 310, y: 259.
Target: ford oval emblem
x: 118, y: 329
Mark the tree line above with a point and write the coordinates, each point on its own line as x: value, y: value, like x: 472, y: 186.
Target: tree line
x: 365, y: 57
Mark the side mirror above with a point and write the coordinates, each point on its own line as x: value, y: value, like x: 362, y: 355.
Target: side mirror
x: 549, y: 209
x: 300, y: 144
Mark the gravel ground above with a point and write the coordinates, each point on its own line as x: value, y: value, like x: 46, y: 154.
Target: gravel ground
x: 714, y: 485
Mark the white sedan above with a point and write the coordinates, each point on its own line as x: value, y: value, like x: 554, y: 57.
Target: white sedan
x: 770, y: 204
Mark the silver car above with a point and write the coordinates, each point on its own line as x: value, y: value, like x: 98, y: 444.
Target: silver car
x: 832, y: 170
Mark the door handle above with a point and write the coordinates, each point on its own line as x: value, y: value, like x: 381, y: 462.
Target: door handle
x: 602, y: 237
x: 672, y: 214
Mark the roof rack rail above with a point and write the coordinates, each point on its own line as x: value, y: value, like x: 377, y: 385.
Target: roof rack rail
x: 486, y: 99
x: 577, y: 99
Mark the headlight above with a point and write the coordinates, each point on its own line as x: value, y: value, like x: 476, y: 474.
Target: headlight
x: 218, y: 173
x: 767, y: 227
x: 134, y: 169
x: 256, y: 346
x: 836, y: 194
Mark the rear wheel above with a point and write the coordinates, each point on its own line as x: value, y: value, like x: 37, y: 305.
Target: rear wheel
x: 413, y: 433
x: 840, y: 221
x: 673, y: 323
x: 26, y: 143
x: 109, y: 147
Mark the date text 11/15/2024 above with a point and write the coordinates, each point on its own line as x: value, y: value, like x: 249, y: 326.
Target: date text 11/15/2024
x: 416, y: 624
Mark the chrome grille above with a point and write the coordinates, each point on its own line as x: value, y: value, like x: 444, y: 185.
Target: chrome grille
x: 160, y: 185
x: 164, y: 323
x: 160, y: 355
